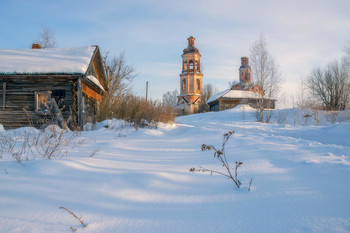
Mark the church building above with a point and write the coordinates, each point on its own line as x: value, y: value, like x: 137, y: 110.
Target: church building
x: 191, y: 80
x: 243, y: 92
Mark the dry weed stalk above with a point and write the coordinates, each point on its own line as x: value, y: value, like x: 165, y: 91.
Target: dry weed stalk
x: 250, y: 183
x: 93, y: 153
x: 31, y: 143
x: 221, y: 156
x: 75, y: 216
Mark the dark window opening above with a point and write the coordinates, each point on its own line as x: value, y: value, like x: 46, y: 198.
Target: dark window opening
x: 191, y: 65
x: 58, y: 95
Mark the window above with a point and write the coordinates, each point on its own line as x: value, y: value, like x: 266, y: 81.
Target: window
x: 196, y: 65
x: 191, y: 65
x: 58, y: 95
x: 198, y: 84
x: 41, y: 101
x: 183, y: 84
x: 185, y: 65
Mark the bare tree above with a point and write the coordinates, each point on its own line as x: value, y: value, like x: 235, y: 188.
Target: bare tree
x: 265, y: 73
x: 347, y: 52
x: 170, y: 98
x: 233, y: 83
x: 208, y: 91
x: 302, y: 97
x: 119, y: 79
x: 46, y: 38
x: 119, y: 74
x: 331, y: 85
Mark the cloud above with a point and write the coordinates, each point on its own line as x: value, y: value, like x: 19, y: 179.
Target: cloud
x: 300, y: 34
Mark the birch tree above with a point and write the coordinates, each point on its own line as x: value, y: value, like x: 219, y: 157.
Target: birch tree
x: 46, y: 38
x: 302, y: 97
x: 265, y: 73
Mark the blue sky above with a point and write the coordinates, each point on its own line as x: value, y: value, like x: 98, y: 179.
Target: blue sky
x: 300, y: 34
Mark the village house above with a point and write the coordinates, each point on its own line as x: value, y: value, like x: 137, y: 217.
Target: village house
x: 55, y: 85
x: 243, y: 92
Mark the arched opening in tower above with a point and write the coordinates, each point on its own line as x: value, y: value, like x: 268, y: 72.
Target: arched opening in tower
x: 191, y: 65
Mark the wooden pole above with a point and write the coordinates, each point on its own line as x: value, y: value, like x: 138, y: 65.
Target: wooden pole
x: 146, y: 91
x: 80, y: 102
x: 3, y: 95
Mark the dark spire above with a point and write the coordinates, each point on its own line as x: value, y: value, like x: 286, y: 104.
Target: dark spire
x: 191, y: 48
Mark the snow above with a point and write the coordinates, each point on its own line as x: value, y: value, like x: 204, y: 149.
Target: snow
x: 139, y: 180
x: 238, y: 94
x: 51, y: 60
x: 234, y: 94
x: 95, y: 81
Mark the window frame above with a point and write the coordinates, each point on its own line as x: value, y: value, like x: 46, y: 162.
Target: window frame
x: 183, y: 84
x: 36, y: 99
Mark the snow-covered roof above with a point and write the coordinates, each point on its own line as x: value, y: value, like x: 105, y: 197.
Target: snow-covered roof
x: 95, y: 81
x: 234, y: 94
x: 46, y: 61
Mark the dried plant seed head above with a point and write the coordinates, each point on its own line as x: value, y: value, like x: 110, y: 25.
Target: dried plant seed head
x: 192, y: 169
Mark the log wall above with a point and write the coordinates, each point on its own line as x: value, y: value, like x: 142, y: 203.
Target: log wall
x: 19, y: 98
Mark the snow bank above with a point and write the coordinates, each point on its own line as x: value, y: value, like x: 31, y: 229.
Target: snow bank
x: 142, y: 183
x: 241, y: 108
x: 114, y: 124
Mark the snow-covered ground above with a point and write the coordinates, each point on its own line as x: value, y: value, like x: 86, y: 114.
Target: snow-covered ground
x: 139, y: 180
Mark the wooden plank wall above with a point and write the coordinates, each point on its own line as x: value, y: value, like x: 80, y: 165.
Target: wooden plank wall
x: 20, y: 97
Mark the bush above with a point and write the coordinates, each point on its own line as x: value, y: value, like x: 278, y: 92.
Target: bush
x: 136, y: 109
x: 30, y: 143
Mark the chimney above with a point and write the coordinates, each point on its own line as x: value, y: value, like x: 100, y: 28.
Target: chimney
x: 191, y: 41
x: 36, y: 46
x: 244, y: 61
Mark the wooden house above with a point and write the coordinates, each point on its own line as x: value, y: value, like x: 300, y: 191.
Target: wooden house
x: 57, y: 85
x: 231, y: 98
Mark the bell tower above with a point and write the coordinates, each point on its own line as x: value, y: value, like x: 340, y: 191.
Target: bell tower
x: 191, y: 79
x: 245, y: 73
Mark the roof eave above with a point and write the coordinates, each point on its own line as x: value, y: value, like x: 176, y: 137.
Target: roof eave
x: 41, y: 73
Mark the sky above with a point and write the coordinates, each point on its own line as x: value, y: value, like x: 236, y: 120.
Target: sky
x: 300, y: 34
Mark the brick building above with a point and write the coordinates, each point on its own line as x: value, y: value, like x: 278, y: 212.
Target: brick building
x: 243, y: 92
x: 191, y: 80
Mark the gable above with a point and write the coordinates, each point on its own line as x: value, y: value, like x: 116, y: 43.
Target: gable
x: 182, y: 101
x: 97, y: 66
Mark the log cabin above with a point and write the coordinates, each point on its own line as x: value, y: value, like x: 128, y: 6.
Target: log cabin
x: 55, y: 85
